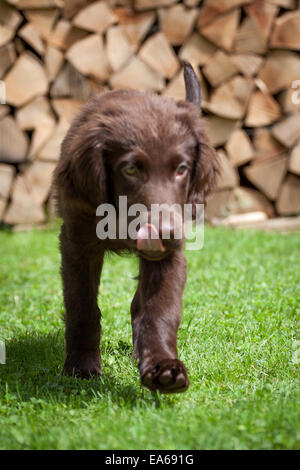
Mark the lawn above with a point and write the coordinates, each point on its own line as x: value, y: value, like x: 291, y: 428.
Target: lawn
x: 240, y: 318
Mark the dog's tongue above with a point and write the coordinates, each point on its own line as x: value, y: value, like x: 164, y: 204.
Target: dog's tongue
x: 144, y: 240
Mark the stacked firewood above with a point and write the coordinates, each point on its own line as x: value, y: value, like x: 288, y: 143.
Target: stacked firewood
x: 54, y: 54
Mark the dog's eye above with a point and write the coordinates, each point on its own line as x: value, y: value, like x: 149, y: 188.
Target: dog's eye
x: 182, y: 170
x: 130, y: 170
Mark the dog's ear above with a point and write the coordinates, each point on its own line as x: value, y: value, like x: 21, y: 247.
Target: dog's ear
x: 206, y: 162
x: 81, y: 172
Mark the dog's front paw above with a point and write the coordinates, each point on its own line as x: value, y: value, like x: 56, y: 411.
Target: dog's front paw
x: 82, y: 364
x: 168, y: 376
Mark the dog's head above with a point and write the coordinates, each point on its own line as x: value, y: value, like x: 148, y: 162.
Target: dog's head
x: 147, y: 147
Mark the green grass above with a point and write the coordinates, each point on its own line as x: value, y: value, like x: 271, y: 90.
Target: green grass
x: 240, y: 317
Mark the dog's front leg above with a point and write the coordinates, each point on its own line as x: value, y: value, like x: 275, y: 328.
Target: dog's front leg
x: 156, y: 314
x: 81, y: 273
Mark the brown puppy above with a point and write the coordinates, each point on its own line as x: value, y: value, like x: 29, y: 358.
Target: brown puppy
x: 152, y: 150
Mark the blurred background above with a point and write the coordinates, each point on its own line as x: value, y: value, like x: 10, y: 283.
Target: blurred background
x: 54, y: 54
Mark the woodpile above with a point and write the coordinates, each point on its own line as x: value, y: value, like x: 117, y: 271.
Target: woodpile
x: 54, y: 54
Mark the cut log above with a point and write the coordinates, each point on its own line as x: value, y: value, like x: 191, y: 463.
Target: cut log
x: 157, y: 53
x: 268, y: 175
x: 288, y: 4
x: 217, y: 205
x: 249, y: 38
x: 54, y: 59
x: 280, y: 69
x: 239, y: 148
x: 42, y: 20
x: 4, y: 110
x: 96, y: 17
x: 7, y: 58
x: 6, y: 34
x: 72, y: 83
x: 222, y: 31
x: 289, y: 100
x: 243, y: 200
x: 230, y: 100
x: 191, y: 3
x: 247, y: 219
x: 36, y: 3
x: 247, y: 64
x: 25, y: 80
x: 176, y: 88
x: 7, y: 173
x: 64, y: 35
x: 38, y: 178
x: 213, y: 8
x: 219, y: 129
x: 137, y: 75
x: 263, y: 13
x: 278, y: 224
x: 147, y: 4
x: 177, y: 23
x: 288, y: 202
x: 13, y: 143
x: 228, y: 177
x: 31, y: 36
x: 51, y: 150
x: 3, y: 204
x: 37, y: 116
x: 67, y: 109
x: 286, y: 33
x: 71, y: 7
x: 219, y: 69
x: 197, y: 50
x: 89, y: 58
x: 23, y: 209
x: 263, y: 110
x: 10, y: 16
x: 265, y: 145
x: 288, y: 130
x: 294, y: 162
x: 135, y: 26
x: 118, y: 48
